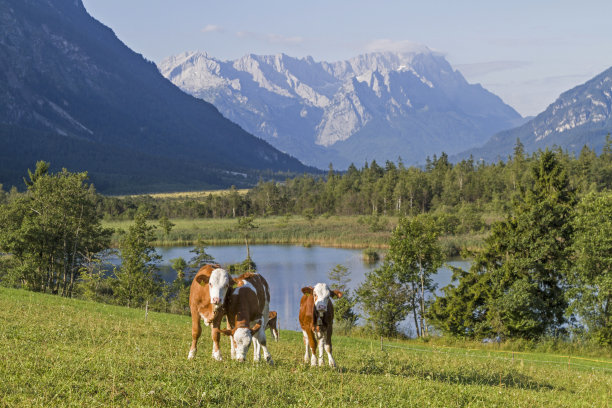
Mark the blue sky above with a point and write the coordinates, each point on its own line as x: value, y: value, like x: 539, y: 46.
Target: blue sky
x: 527, y: 52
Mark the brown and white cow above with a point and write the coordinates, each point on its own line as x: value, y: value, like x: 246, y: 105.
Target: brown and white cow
x: 207, y: 302
x: 317, y: 319
x: 249, y: 303
x: 273, y: 324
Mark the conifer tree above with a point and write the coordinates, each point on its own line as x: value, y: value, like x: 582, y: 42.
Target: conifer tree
x: 137, y: 277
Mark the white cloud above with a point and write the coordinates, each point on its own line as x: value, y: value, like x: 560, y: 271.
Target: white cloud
x: 211, y: 28
x: 271, y: 38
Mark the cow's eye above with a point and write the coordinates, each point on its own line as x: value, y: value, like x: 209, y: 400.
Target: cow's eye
x: 210, y: 284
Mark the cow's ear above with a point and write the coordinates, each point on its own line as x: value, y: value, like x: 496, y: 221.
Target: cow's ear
x: 336, y: 294
x: 255, y: 328
x: 202, y: 279
x: 307, y: 290
x: 272, y: 314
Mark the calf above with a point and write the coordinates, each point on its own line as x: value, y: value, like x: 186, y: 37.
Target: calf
x: 207, y: 301
x: 249, y: 303
x: 273, y: 324
x: 317, y: 319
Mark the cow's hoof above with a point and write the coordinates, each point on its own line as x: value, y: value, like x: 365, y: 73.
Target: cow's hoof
x: 191, y: 355
x: 321, y: 362
x: 217, y: 356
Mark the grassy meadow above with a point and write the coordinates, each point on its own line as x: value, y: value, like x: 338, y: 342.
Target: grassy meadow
x: 65, y: 352
x: 332, y: 231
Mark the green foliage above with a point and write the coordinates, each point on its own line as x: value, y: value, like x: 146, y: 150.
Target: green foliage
x: 200, y: 257
x: 590, y: 279
x: 385, y: 300
x: 415, y: 254
x: 370, y: 256
x: 243, y: 267
x: 51, y: 231
x: 515, y: 287
x: 137, y: 279
x: 166, y: 225
x: 344, y: 315
x: 375, y: 222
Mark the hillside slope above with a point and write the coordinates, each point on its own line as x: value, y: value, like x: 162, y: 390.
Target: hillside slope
x: 61, y: 352
x: 581, y: 116
x: 75, y: 95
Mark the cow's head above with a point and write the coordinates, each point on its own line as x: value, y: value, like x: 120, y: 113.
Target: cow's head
x: 218, y: 286
x: 321, y: 294
x: 241, y: 338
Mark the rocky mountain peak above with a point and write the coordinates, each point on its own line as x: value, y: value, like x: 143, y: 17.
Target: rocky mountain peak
x: 301, y: 105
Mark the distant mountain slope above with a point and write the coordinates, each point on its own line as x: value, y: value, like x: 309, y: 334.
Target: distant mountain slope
x: 375, y: 106
x: 580, y: 116
x: 73, y: 94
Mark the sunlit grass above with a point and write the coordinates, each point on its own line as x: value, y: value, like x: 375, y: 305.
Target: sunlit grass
x: 62, y: 352
x: 333, y: 231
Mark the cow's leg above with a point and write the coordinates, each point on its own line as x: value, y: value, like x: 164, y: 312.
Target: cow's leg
x: 322, y: 345
x: 275, y: 334
x: 216, y: 337
x: 196, y: 331
x: 328, y: 349
x: 232, y: 348
x: 256, y: 349
x: 307, y: 347
x: 263, y: 345
x: 312, y: 342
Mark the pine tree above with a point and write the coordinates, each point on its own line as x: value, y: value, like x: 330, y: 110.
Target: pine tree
x: 137, y: 278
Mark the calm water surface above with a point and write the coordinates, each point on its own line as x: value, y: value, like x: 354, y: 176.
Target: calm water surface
x: 288, y: 268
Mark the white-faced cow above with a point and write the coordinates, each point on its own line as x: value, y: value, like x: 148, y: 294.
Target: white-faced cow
x: 273, y: 324
x: 207, y: 301
x: 249, y: 304
x: 317, y: 319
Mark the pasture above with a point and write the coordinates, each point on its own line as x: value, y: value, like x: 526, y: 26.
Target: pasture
x: 66, y: 352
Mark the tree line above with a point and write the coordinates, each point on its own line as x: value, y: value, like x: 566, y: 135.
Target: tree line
x: 464, y: 189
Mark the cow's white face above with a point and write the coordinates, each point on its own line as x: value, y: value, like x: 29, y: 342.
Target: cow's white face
x: 321, y: 297
x: 242, y: 342
x: 219, y: 284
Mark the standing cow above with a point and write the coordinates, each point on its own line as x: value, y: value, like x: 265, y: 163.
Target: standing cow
x: 207, y: 301
x: 249, y: 303
x: 317, y: 319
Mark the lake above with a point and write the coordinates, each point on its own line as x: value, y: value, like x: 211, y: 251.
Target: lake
x: 288, y: 268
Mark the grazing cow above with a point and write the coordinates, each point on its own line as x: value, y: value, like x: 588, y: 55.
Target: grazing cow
x: 316, y: 320
x: 207, y: 301
x: 273, y: 324
x: 249, y: 303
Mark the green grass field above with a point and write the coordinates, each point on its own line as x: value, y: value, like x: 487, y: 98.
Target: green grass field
x: 65, y: 352
x: 336, y: 231
x: 333, y: 231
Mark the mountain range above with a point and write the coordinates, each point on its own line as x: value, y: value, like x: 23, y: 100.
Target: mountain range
x: 581, y: 116
x: 381, y: 105
x: 73, y: 94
